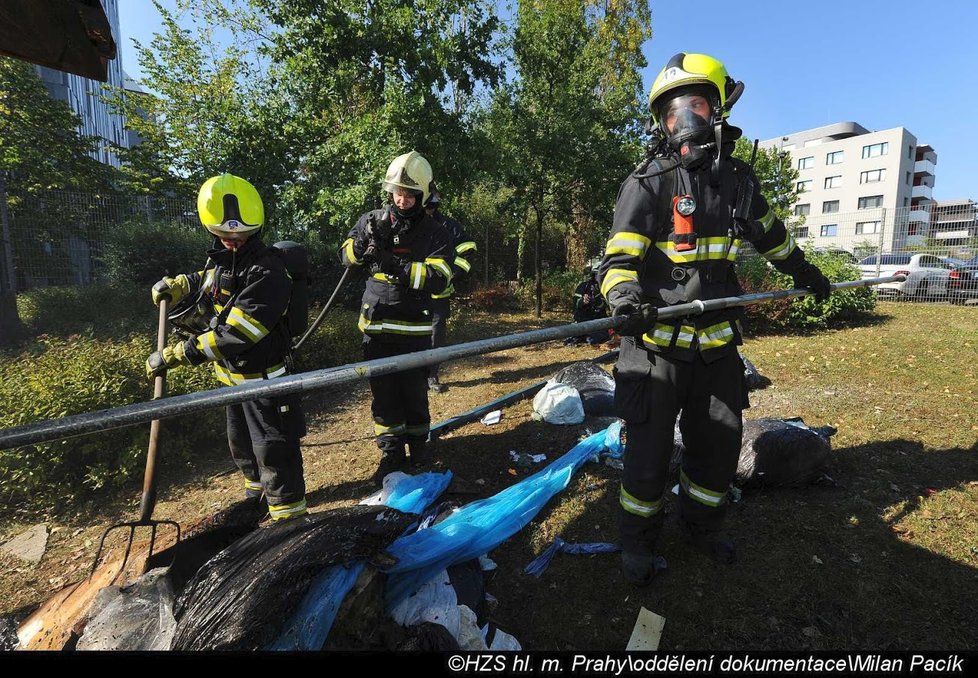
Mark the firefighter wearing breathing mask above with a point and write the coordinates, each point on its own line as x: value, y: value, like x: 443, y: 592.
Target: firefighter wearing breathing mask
x: 679, y: 220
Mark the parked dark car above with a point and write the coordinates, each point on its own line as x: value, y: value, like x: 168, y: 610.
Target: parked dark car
x: 962, y: 284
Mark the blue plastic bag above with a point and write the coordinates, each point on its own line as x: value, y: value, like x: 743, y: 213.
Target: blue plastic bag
x: 540, y: 564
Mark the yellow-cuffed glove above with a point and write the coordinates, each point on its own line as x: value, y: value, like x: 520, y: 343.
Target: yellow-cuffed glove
x: 173, y: 289
x: 160, y: 361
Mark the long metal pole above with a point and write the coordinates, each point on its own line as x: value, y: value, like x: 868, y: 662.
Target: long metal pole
x: 317, y: 380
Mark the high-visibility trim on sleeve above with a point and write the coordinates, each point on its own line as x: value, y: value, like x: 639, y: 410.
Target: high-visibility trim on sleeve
x: 767, y: 220
x: 780, y: 252
x: 624, y: 242
x: 615, y: 276
x: 464, y: 247
x: 247, y: 325
x: 350, y: 254
x: 417, y: 275
x: 440, y: 265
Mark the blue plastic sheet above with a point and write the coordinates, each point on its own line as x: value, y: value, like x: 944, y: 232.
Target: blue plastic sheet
x: 309, y: 626
x: 479, y: 527
x: 542, y: 561
x: 612, y: 440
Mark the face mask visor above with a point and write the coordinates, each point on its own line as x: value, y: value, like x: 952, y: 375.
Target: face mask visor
x: 686, y: 118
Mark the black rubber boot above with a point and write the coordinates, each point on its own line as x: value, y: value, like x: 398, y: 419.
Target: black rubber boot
x: 638, y: 568
x: 390, y: 460
x: 715, y: 544
x: 419, y: 452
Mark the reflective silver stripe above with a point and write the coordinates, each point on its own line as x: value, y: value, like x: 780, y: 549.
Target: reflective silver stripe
x: 287, y: 510
x: 781, y: 251
x: 207, y: 344
x: 397, y: 327
x: 381, y: 430
x: 624, y: 242
x: 635, y: 506
x: 662, y: 335
x: 441, y: 266
x: 465, y: 246
x: 699, y: 493
x: 767, y: 220
x: 616, y: 276
x: 229, y: 378
x: 418, y: 274
x: 715, y: 336
x: 251, y: 328
x: 463, y: 264
x: 252, y: 484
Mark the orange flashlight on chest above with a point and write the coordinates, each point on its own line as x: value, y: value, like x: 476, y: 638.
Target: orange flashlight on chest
x: 684, y: 237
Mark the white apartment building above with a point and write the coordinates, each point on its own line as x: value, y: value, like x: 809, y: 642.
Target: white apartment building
x: 83, y: 95
x: 860, y: 188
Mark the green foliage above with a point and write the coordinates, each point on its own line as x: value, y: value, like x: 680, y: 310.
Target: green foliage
x: 804, y: 313
x: 778, y: 178
x: 140, y: 253
x: 102, y: 310
x: 558, y: 291
x: 59, y: 377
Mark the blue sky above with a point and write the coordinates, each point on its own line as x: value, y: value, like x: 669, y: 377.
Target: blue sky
x: 880, y: 63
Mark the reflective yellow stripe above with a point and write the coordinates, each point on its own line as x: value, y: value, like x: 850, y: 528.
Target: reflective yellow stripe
x: 252, y: 485
x: 767, y: 220
x: 615, y: 276
x: 465, y: 246
x: 208, y: 278
x: 250, y: 327
x: 707, y: 249
x: 441, y: 266
x: 381, y: 430
x: 699, y: 493
x: 624, y: 242
x: 417, y: 275
x: 715, y: 336
x: 207, y: 344
x: 463, y: 264
x: 635, y: 506
x: 283, y: 511
x: 449, y: 291
x: 393, y: 326
x: 662, y: 335
x: 350, y: 254
x: 229, y: 378
x: 780, y: 252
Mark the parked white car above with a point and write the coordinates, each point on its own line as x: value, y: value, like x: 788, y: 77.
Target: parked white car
x: 927, y: 275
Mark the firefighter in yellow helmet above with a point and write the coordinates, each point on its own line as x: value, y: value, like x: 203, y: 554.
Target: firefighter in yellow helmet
x: 240, y: 300
x: 407, y: 255
x: 679, y: 220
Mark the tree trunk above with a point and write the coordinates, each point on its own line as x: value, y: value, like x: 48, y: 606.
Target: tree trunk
x: 10, y: 325
x: 577, y: 243
x: 538, y: 267
x: 520, y: 252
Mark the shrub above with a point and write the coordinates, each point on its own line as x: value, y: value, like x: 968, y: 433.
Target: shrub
x: 140, y: 253
x: 756, y: 275
x: 558, y: 291
x: 493, y: 297
x: 60, y: 377
x: 99, y: 310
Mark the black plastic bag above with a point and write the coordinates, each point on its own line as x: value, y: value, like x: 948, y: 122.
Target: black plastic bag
x: 242, y: 597
x: 595, y: 386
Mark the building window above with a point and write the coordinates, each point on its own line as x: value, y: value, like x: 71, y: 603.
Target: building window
x: 801, y: 232
x: 908, y: 178
x: 872, y: 176
x: 875, y: 150
x: 830, y: 206
x: 867, y: 227
x: 833, y: 182
x: 870, y: 201
x: 806, y: 163
x: 804, y: 186
x: 906, y: 201
x: 909, y: 152
x: 833, y: 158
x: 913, y: 228
x: 829, y: 230
x: 803, y: 210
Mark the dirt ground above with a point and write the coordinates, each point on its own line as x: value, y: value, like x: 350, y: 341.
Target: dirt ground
x: 825, y: 567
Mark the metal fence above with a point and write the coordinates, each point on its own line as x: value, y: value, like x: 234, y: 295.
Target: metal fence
x: 59, y: 238
x: 946, y: 230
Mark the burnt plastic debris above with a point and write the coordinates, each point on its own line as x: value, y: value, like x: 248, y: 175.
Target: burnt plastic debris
x: 595, y: 386
x: 243, y: 597
x: 540, y: 564
x: 774, y: 452
x: 754, y: 379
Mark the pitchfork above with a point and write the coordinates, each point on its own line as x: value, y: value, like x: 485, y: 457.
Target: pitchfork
x: 148, y: 501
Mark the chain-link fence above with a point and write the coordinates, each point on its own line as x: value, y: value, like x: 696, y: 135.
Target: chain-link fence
x: 60, y: 237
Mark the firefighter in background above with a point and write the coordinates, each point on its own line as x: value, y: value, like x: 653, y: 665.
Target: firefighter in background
x: 407, y: 255
x: 589, y: 305
x: 463, y: 248
x: 679, y: 221
x: 245, y: 290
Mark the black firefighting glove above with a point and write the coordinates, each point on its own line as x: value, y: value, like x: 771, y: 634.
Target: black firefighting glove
x: 160, y: 361
x: 811, y: 277
x: 639, y: 317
